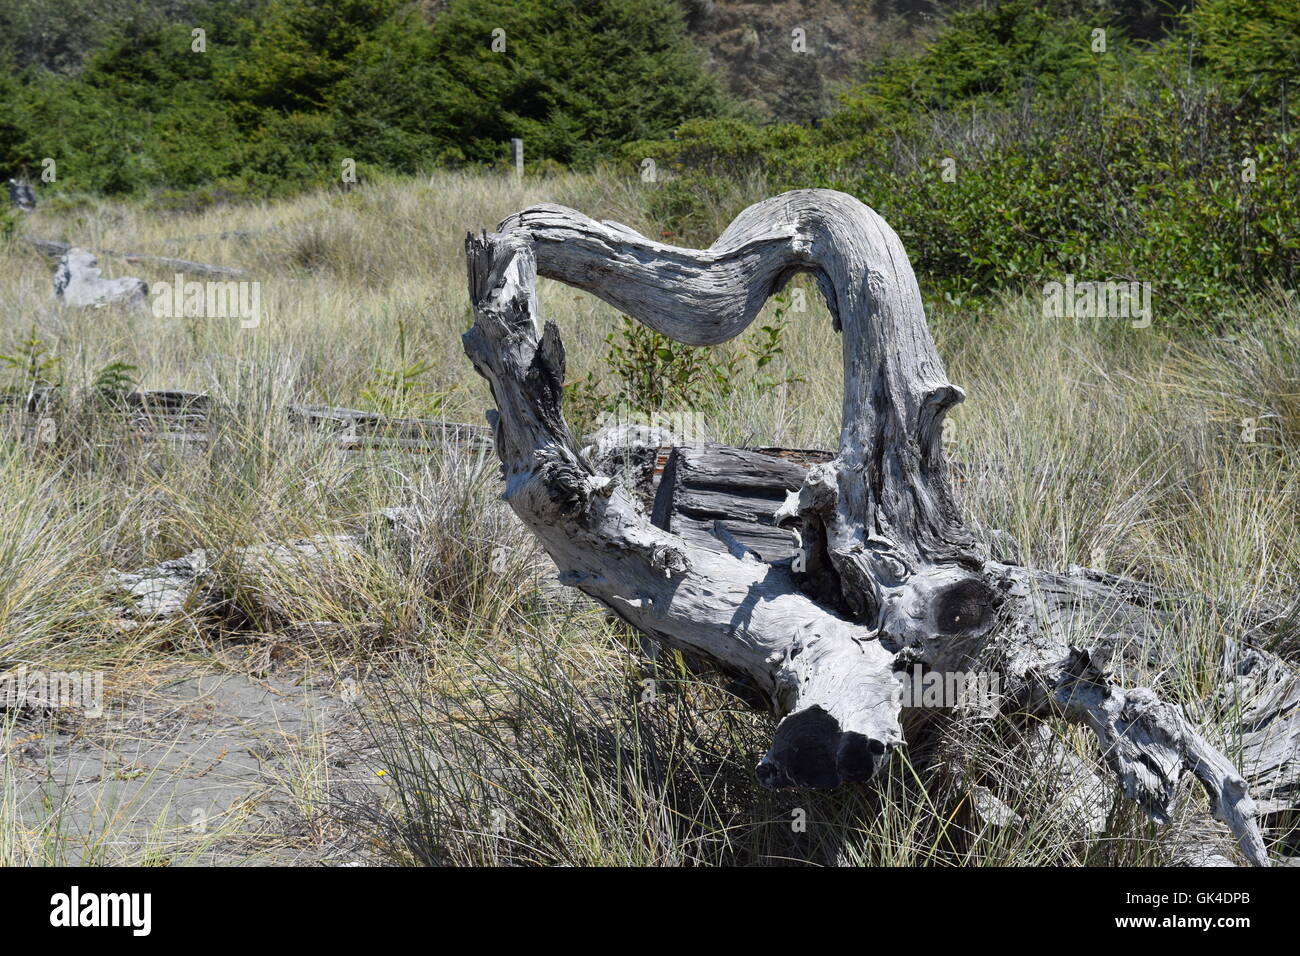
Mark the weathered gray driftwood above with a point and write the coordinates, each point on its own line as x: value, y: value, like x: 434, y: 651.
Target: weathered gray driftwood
x: 730, y: 495
x: 182, y: 418
x: 195, y: 584
x: 21, y: 195
x: 888, y: 575
x: 715, y: 497
x: 355, y: 429
x: 78, y: 283
x: 56, y: 249
x: 1259, y: 693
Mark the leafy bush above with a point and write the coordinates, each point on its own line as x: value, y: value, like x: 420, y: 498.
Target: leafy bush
x: 648, y: 372
x: 1252, y: 44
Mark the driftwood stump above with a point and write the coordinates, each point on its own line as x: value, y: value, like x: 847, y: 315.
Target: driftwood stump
x: 78, y: 283
x: 888, y: 576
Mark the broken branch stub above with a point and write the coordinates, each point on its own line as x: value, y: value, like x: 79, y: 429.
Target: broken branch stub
x: 888, y: 575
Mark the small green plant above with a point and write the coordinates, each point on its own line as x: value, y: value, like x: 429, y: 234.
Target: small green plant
x: 402, y: 388
x: 652, y: 373
x: 768, y: 346
x: 32, y: 363
x: 111, y: 382
x: 584, y: 400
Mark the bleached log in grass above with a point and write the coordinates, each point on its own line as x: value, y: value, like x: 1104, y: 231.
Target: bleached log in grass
x: 55, y: 249
x: 190, y: 584
x: 888, y: 576
x: 78, y: 283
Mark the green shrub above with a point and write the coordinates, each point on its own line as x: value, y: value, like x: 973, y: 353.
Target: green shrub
x: 1057, y: 159
x: 1254, y: 45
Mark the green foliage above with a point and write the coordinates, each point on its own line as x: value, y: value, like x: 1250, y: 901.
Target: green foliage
x: 989, y: 55
x: 299, y: 50
x: 31, y: 364
x: 1059, y: 158
x: 575, y: 80
x: 647, y: 372
x: 767, y: 346
x: 58, y: 36
x: 403, y: 388
x: 1253, y: 44
x: 1008, y: 153
x: 653, y: 372
x: 288, y: 88
x: 111, y: 382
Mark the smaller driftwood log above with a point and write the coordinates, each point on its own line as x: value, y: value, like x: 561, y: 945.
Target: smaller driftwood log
x: 78, y: 283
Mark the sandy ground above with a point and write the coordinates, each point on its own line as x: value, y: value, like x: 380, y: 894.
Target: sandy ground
x: 204, y: 766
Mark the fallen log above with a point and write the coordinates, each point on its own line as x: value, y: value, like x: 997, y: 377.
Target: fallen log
x: 55, y: 249
x: 242, y: 234
x: 199, y: 582
x: 360, y: 429
x: 887, y: 574
x: 185, y: 266
x: 181, y: 417
x: 263, y: 578
x: 1259, y: 693
x: 726, y: 499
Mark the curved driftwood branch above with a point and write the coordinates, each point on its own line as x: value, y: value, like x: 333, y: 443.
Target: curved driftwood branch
x: 891, y: 475
x: 888, y: 577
